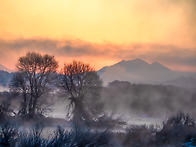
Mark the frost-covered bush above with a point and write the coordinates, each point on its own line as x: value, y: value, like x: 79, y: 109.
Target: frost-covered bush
x: 140, y: 136
x: 176, y: 129
x: 32, y: 138
x: 79, y: 136
x: 8, y: 135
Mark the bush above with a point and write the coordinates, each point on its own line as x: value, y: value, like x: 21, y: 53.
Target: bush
x: 80, y: 137
x: 176, y: 129
x: 8, y: 135
x: 77, y: 137
x: 140, y: 136
x: 32, y: 139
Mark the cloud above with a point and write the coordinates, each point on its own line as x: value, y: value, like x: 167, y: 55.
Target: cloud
x: 172, y: 55
x: 166, y: 54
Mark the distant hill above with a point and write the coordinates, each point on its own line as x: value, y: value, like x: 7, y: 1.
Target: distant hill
x: 5, y: 78
x: 139, y: 71
x: 183, y: 82
x: 5, y: 68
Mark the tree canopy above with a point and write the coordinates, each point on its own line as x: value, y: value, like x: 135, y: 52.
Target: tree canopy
x: 82, y: 86
x: 34, y: 78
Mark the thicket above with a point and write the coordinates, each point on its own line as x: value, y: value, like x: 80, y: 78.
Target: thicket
x: 178, y: 130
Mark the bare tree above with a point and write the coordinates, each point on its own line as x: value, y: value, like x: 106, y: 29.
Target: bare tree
x: 82, y: 85
x: 35, y: 75
x: 19, y: 84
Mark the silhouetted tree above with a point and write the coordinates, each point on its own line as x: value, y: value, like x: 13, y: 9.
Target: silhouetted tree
x: 18, y: 84
x: 34, y: 77
x: 82, y: 85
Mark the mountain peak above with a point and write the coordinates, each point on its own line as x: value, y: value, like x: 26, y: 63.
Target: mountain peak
x: 5, y: 68
x: 136, y: 70
x: 138, y: 62
x: 159, y: 66
x: 122, y: 61
x: 156, y: 63
x: 135, y: 61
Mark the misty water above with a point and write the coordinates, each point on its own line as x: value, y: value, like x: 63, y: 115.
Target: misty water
x: 3, y: 88
x: 131, y: 119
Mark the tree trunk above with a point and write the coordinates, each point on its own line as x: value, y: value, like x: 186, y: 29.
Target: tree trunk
x: 31, y: 107
x: 79, y: 112
x: 34, y: 105
x: 23, y: 109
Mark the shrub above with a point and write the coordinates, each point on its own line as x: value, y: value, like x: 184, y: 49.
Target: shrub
x: 176, y: 129
x: 79, y: 137
x: 140, y: 135
x: 8, y: 135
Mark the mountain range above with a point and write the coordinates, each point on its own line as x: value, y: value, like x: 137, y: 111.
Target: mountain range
x: 139, y: 71
x: 134, y: 71
x: 5, y: 69
x: 5, y: 77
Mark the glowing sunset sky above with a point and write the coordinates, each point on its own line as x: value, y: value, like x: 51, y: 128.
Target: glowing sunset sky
x: 100, y: 32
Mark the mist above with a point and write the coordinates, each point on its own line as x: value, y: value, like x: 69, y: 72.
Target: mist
x: 156, y: 101
x: 138, y: 90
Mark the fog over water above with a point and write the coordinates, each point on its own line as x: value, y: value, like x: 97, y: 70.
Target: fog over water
x: 2, y: 88
x: 136, y: 103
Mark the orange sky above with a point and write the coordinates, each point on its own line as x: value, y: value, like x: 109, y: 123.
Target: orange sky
x: 113, y: 25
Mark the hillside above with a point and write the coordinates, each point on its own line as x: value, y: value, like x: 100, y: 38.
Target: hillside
x: 5, y: 78
x: 5, y: 69
x: 139, y: 71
